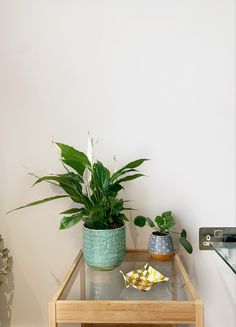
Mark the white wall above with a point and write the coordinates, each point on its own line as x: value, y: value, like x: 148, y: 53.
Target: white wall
x: 149, y: 78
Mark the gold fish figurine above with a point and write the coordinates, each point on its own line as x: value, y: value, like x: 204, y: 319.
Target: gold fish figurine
x: 143, y: 279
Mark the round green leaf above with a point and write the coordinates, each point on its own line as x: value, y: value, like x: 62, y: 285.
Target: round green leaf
x: 166, y: 213
x: 159, y: 220
x: 183, y: 233
x: 140, y: 221
x: 185, y: 243
x: 150, y: 222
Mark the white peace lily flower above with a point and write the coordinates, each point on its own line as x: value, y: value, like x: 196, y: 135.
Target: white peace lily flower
x: 116, y: 166
x: 87, y: 176
x: 87, y: 180
x: 90, y: 150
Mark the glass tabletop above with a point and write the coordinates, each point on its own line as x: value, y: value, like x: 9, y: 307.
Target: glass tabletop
x: 88, y: 284
x: 227, y: 252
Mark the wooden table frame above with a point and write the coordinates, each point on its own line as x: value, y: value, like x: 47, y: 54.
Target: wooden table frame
x: 125, y: 313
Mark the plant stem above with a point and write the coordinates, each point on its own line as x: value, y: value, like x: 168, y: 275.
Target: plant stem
x: 174, y: 232
x: 64, y: 165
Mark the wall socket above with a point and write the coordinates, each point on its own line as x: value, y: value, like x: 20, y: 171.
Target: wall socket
x: 208, y: 235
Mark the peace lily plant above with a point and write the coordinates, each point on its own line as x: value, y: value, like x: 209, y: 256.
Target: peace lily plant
x: 94, y: 190
x: 92, y: 187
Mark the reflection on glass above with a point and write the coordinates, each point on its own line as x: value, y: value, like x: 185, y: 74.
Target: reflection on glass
x: 227, y: 252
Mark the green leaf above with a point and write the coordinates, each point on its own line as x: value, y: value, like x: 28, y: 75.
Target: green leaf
x: 70, y: 182
x: 118, y: 204
x: 74, y: 158
x: 113, y: 189
x: 46, y: 178
x: 150, y: 222
x: 77, y: 166
x: 169, y: 222
x: 140, y: 221
x: 134, y: 164
x: 159, y: 220
x: 185, y: 243
x: 123, y: 217
x: 96, y: 209
x: 40, y: 202
x: 166, y: 214
x: 70, y: 221
x: 129, y: 178
x: 128, y: 168
x: 120, y: 173
x: 72, y: 210
x: 68, y: 152
x: 183, y: 233
x: 84, y: 200
x: 100, y: 177
x: 112, y: 201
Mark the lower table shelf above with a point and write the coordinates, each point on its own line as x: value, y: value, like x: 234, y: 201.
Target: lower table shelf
x: 125, y: 325
x: 98, y: 298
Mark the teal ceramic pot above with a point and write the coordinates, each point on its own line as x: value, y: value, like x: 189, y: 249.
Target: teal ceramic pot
x: 161, y: 246
x: 104, y: 249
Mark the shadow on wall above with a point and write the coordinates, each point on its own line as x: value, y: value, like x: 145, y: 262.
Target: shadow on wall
x: 133, y: 233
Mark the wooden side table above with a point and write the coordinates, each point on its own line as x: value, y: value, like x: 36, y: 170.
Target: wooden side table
x: 98, y: 298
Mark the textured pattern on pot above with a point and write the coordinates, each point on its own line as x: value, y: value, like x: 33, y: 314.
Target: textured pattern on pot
x: 104, y: 249
x: 160, y: 244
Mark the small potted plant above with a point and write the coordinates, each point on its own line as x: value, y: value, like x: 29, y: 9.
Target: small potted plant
x: 160, y: 243
x: 94, y: 190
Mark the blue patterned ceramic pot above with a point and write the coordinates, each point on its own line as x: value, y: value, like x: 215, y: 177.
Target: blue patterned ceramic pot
x: 104, y: 249
x: 160, y: 246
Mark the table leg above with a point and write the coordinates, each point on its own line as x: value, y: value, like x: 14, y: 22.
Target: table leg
x: 52, y: 314
x: 173, y: 282
x: 199, y: 314
x: 82, y: 284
